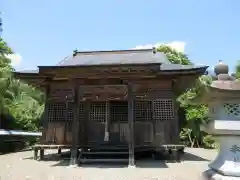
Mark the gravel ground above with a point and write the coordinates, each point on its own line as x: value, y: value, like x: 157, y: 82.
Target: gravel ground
x: 21, y: 166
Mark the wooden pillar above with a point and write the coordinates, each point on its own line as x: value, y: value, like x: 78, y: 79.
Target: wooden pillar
x: 87, y: 107
x: 35, y: 153
x: 176, y: 130
x: 45, y: 116
x: 41, y: 154
x: 66, y: 123
x: 107, y: 121
x: 176, y: 124
x: 81, y: 132
x: 75, y: 128
x: 59, y: 151
x: 130, y: 126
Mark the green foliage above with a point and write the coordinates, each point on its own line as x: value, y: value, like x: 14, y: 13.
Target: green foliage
x: 209, y: 142
x: 190, y: 134
x: 174, y: 56
x: 26, y: 107
x: 185, y: 135
x: 4, y: 49
x: 187, y: 98
x: 237, y: 70
x: 18, y: 100
x: 5, y: 79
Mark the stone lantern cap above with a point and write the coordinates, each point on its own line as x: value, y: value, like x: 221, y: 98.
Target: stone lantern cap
x: 221, y: 68
x: 223, y: 87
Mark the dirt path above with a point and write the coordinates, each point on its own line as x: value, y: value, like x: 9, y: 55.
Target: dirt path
x: 20, y: 166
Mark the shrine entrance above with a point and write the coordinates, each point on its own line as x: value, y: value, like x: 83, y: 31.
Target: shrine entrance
x: 105, y: 124
x: 104, y: 108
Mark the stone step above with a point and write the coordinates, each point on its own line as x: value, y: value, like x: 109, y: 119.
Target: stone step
x: 87, y: 160
x: 105, y: 153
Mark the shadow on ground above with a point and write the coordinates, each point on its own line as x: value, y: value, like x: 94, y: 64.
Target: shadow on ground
x: 144, y: 162
x: 192, y: 157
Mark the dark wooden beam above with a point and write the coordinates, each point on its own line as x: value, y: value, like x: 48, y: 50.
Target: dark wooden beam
x: 96, y: 70
x: 96, y: 74
x: 46, y: 107
x: 75, y: 128
x: 66, y: 116
x: 83, y: 118
x: 130, y: 126
x: 176, y: 123
x: 107, y: 121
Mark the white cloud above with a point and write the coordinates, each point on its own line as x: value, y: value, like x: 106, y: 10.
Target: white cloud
x: 15, y: 59
x: 177, y: 45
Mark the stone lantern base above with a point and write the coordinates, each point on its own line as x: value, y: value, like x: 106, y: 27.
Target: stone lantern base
x: 226, y: 166
x: 212, y: 175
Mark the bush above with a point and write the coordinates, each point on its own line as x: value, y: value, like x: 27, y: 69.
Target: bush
x: 209, y: 142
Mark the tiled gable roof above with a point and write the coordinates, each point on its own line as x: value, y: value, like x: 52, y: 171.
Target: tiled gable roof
x: 121, y: 57
x: 87, y: 58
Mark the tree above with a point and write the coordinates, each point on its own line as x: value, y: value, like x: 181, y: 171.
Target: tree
x: 195, y: 115
x: 27, y: 105
x: 5, y: 77
x: 174, y: 56
x: 237, y: 70
x: 19, y: 100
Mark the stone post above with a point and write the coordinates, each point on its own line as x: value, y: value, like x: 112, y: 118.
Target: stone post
x: 223, y: 100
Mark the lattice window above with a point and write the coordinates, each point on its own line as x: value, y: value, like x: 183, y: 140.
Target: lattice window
x: 98, y: 111
x: 232, y: 109
x: 142, y: 110
x: 60, y: 112
x: 163, y: 109
x: 81, y: 111
x: 119, y: 111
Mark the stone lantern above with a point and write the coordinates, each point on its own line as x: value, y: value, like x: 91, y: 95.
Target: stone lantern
x: 223, y: 100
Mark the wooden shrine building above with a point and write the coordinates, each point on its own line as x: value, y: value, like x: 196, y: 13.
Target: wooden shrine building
x: 111, y: 99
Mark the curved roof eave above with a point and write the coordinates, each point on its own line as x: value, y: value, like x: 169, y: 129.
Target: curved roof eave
x: 179, y: 67
x: 33, y: 72
x: 182, y: 69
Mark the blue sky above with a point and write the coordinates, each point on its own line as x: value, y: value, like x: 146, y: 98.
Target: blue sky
x: 44, y: 32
